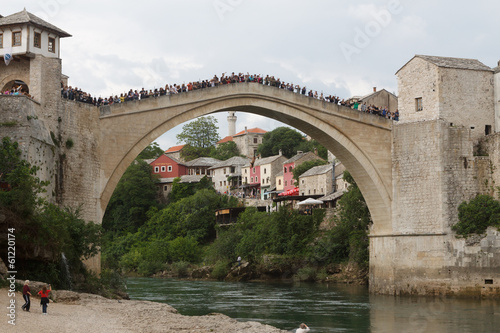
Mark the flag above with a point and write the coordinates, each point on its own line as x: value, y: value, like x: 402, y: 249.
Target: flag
x: 7, y: 57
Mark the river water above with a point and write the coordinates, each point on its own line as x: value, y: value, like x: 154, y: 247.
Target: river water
x: 324, y: 308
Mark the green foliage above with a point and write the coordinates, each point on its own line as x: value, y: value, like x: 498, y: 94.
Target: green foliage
x: 303, y: 167
x: 69, y: 143
x: 18, y: 176
x: 41, y: 227
x: 306, y: 274
x: 170, y: 235
x: 200, y: 137
x: 220, y: 270
x: 284, y: 138
x: 134, y: 195
x: 9, y: 124
x: 184, y: 190
x: 225, y: 151
x: 477, y: 215
x: 152, y: 151
x: 348, y: 240
x: 312, y: 145
x: 258, y: 233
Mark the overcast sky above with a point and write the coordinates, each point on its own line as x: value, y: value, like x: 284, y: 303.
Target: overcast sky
x: 343, y: 48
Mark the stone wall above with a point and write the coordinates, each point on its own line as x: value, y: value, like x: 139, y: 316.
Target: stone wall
x: 434, y: 171
x: 461, y: 97
x: 30, y: 131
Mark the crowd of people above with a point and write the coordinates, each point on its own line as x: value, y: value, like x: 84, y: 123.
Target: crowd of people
x: 15, y: 91
x: 77, y: 94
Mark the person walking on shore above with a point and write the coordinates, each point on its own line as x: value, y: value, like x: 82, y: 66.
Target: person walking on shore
x: 44, y: 301
x: 302, y: 329
x: 26, y: 296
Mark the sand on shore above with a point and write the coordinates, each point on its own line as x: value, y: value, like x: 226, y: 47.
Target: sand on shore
x: 87, y: 313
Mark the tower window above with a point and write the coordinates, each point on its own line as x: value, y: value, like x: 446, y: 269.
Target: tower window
x: 52, y: 45
x: 418, y: 104
x: 16, y: 38
x: 37, y: 40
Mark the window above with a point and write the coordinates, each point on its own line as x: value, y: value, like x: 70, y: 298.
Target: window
x: 256, y: 179
x: 246, y: 180
x: 265, y: 170
x: 224, y: 183
x: 157, y: 169
x: 221, y: 183
x: 16, y: 38
x: 284, y: 170
x: 418, y: 104
x: 1, y: 41
x: 253, y: 170
x: 254, y: 140
x: 279, y: 181
x: 246, y: 170
x: 224, y: 170
x: 303, y: 181
x: 165, y: 188
x: 169, y: 168
x: 162, y: 168
x: 52, y: 45
x: 290, y: 168
x: 487, y: 129
x: 286, y: 182
x: 251, y: 179
x: 37, y: 41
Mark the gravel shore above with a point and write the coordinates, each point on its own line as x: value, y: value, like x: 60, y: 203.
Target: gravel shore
x: 85, y: 313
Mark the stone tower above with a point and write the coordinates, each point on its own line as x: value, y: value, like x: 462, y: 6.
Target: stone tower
x: 35, y: 68
x: 231, y: 120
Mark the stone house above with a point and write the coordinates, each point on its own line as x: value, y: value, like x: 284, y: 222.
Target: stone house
x: 201, y: 166
x: 317, y: 180
x: 458, y: 90
x: 35, y: 47
x: 226, y: 175
x: 247, y: 141
x: 269, y: 168
x: 292, y: 163
x: 168, y: 167
x: 380, y: 98
x: 250, y: 178
x: 175, y: 152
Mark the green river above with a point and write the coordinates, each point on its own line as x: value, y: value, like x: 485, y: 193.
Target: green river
x: 324, y: 308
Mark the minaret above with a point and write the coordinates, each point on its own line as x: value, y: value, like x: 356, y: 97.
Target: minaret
x: 231, y: 120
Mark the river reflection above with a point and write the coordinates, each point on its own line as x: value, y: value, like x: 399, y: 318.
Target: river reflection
x: 325, y: 308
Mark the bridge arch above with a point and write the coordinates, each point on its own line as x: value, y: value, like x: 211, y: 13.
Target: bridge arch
x: 361, y: 141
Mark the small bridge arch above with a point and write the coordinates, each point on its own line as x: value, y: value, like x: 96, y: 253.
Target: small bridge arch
x: 361, y: 141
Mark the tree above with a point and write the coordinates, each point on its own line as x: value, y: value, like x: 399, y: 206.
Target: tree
x: 282, y: 138
x: 200, y: 137
x: 299, y: 170
x: 153, y: 151
x: 20, y: 187
x: 134, y: 195
x: 477, y: 215
x: 348, y: 240
x: 312, y: 145
x: 225, y: 151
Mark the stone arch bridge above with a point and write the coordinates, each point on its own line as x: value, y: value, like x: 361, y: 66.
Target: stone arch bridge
x: 361, y: 141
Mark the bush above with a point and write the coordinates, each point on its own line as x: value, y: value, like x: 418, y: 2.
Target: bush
x: 221, y: 269
x: 306, y: 274
x: 181, y: 269
x: 477, y: 215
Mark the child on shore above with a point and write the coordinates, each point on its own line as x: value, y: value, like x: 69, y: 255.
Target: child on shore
x: 44, y: 301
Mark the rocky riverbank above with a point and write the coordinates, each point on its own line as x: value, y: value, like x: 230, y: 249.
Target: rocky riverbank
x: 82, y: 313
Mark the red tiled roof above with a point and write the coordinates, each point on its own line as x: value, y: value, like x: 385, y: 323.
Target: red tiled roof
x: 252, y: 130
x: 174, y: 149
x: 226, y: 139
